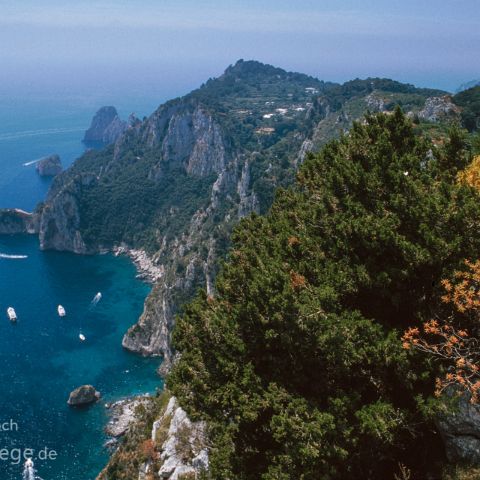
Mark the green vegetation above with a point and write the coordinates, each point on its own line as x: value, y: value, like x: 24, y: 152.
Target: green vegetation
x: 469, y: 100
x: 461, y: 473
x: 136, y: 446
x: 297, y: 362
x: 265, y: 115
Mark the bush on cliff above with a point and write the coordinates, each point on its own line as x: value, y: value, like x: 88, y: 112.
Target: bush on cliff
x: 297, y: 362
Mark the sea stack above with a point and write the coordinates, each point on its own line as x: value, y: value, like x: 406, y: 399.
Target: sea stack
x: 106, y: 127
x: 84, y: 395
x: 49, y: 166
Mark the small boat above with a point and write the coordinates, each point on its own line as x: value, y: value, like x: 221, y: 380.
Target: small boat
x: 29, y: 463
x: 82, y: 337
x: 12, y: 315
x: 96, y: 298
x: 61, y: 311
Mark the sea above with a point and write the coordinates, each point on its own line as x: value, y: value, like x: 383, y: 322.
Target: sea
x: 42, y: 358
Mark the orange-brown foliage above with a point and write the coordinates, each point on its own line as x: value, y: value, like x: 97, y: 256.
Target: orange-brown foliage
x: 471, y: 175
x: 297, y: 281
x: 454, y: 346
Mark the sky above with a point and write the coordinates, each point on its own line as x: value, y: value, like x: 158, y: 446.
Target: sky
x: 171, y: 47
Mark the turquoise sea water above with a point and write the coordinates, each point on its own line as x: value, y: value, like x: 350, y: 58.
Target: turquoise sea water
x: 41, y: 356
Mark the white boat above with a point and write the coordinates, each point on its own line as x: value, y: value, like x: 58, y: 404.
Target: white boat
x: 12, y: 315
x: 61, y: 311
x: 82, y: 337
x: 96, y: 298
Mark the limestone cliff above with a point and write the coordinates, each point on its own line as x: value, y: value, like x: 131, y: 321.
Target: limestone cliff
x: 194, y: 141
x: 59, y: 223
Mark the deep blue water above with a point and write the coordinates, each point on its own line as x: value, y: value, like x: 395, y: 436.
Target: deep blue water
x: 41, y: 357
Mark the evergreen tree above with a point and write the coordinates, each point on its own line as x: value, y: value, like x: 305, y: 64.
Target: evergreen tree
x: 297, y: 362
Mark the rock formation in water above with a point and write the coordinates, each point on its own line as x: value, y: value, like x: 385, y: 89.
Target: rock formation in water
x: 14, y: 220
x: 83, y: 395
x: 49, y: 166
x: 59, y: 224
x: 107, y: 127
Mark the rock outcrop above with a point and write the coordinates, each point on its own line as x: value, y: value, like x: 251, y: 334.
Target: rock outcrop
x: 180, y: 442
x: 122, y: 416
x: 438, y: 109
x: 14, y: 220
x: 159, y: 442
x: 84, y: 395
x: 460, y: 431
x: 49, y: 166
x: 107, y: 127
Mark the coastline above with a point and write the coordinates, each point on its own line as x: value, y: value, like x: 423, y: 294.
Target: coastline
x: 147, y: 269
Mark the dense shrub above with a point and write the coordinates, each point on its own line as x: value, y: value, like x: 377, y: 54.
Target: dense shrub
x: 297, y: 363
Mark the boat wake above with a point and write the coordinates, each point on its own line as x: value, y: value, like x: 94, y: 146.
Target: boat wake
x: 35, y: 133
x: 13, y: 257
x: 96, y: 299
x: 32, y: 162
x: 29, y: 472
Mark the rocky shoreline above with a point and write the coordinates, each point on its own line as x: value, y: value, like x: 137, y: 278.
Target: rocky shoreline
x: 122, y: 415
x: 147, y: 269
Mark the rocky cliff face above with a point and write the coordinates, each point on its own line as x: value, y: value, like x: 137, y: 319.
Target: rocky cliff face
x: 439, y: 109
x: 59, y: 222
x: 188, y: 138
x: 14, y: 221
x: 181, y: 443
x: 156, y: 440
x: 460, y: 432
x: 194, y: 141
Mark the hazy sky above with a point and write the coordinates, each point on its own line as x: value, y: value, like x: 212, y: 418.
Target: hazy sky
x: 173, y: 46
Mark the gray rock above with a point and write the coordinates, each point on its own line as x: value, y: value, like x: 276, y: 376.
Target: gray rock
x: 83, y: 395
x: 375, y: 102
x: 437, y: 109
x: 122, y: 415
x: 180, y: 458
x: 49, y: 166
x: 460, y: 431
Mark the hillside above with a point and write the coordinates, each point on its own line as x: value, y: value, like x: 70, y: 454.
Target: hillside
x: 297, y: 362
x: 469, y: 101
x: 176, y: 183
